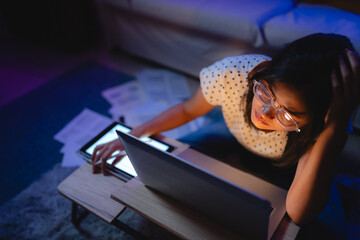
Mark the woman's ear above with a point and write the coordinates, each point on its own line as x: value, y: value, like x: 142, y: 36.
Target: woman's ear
x: 258, y: 68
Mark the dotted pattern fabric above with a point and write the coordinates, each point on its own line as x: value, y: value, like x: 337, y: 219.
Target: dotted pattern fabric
x: 225, y: 84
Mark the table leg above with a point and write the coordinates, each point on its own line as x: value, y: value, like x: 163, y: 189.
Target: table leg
x: 77, y: 217
x: 129, y: 230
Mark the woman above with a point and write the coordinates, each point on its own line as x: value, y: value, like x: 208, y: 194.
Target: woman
x: 293, y: 109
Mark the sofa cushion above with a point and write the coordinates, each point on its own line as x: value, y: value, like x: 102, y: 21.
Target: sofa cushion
x: 307, y: 19
x: 235, y: 19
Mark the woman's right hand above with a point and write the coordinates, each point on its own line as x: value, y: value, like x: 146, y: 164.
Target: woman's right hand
x: 103, y: 152
x: 346, y: 87
x: 175, y: 116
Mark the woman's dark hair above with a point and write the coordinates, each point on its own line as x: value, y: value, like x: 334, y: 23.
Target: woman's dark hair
x: 304, y: 65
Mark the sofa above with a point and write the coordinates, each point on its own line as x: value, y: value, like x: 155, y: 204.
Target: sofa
x: 187, y: 35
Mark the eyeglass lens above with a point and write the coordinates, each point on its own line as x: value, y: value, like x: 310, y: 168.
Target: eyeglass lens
x: 284, y: 118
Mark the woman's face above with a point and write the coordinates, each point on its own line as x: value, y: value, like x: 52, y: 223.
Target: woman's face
x: 263, y: 117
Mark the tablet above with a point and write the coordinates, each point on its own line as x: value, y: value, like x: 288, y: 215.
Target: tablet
x: 123, y: 169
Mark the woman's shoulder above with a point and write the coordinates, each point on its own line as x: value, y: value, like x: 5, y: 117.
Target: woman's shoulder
x: 242, y: 62
x: 247, y: 58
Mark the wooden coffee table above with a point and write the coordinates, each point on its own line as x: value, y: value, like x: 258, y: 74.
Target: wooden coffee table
x: 107, y: 197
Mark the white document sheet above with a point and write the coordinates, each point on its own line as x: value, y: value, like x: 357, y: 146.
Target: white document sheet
x: 126, y: 95
x: 87, y: 121
x: 153, y: 92
x: 85, y: 126
x: 70, y: 158
x: 135, y: 102
x: 164, y: 85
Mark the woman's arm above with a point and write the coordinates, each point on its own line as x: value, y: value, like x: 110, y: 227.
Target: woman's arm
x: 311, y: 186
x: 310, y: 189
x: 175, y: 116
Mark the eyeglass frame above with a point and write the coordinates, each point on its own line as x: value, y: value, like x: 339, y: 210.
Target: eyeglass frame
x: 276, y: 107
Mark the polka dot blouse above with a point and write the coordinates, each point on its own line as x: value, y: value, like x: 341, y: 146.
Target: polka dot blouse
x: 225, y: 84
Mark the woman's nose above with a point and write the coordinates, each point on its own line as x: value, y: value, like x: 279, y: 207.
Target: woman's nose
x: 268, y: 111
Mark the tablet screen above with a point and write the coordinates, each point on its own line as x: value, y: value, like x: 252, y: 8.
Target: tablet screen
x: 108, y: 135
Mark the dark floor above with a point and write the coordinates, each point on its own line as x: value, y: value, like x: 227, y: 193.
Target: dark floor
x: 26, y: 67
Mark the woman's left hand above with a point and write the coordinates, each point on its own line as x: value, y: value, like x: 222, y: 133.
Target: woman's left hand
x: 346, y: 89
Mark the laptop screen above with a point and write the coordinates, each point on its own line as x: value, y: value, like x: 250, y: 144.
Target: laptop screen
x: 220, y: 200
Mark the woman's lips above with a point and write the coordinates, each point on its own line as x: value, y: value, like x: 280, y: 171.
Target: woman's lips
x: 259, y: 118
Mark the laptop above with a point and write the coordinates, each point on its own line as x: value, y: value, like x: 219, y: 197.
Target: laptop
x: 235, y: 199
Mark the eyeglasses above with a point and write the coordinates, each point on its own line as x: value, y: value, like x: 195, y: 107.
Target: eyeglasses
x: 281, y: 115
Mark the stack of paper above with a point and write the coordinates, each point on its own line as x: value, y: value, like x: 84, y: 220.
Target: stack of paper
x: 77, y: 133
x: 151, y: 93
x: 134, y: 103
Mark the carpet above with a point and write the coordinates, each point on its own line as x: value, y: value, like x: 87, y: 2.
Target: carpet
x: 28, y: 124
x: 30, y: 205
x: 40, y: 212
